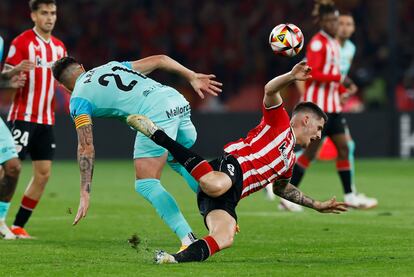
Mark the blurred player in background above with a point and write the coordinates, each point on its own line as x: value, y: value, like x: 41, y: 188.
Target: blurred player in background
x: 249, y: 164
x: 31, y: 116
x: 9, y: 162
x: 325, y: 89
x: 116, y: 90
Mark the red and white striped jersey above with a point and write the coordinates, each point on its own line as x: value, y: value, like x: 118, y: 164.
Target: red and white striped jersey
x: 35, y: 102
x: 266, y: 154
x: 323, y: 56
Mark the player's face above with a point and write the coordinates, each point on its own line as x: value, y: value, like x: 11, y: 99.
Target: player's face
x: 45, y: 17
x: 329, y: 23
x: 346, y: 26
x: 313, y: 126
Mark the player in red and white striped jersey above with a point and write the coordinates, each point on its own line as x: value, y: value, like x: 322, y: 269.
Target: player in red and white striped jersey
x: 264, y: 156
x: 31, y: 116
x: 324, y: 89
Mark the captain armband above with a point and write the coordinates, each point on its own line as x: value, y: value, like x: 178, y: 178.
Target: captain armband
x: 82, y: 120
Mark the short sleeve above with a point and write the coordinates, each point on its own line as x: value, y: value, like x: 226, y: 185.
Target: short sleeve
x: 16, y: 53
x: 80, y: 111
x: 127, y: 64
x: 276, y: 116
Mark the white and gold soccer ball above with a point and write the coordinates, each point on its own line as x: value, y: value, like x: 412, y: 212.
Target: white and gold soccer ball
x: 286, y: 40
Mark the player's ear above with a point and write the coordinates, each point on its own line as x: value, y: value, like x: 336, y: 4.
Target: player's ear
x: 33, y: 16
x: 305, y: 119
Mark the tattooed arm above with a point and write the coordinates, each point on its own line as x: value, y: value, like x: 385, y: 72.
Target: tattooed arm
x: 289, y: 192
x: 86, y: 158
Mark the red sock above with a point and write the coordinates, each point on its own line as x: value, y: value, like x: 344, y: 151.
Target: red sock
x: 343, y: 165
x: 303, y: 161
x: 201, y: 169
x: 28, y: 203
x: 212, y: 244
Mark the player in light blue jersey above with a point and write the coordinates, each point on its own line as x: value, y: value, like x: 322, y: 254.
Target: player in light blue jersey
x: 345, y: 30
x: 116, y: 90
x: 9, y: 161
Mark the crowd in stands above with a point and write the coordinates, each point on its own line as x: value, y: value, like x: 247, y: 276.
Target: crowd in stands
x: 227, y: 38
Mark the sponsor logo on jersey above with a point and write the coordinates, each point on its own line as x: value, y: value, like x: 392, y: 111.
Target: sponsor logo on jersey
x: 282, y: 150
x: 179, y: 111
x: 41, y: 63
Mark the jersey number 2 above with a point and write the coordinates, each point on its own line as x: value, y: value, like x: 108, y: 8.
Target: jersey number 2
x: 102, y: 80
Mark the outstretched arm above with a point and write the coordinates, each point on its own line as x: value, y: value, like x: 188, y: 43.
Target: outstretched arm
x: 201, y: 83
x: 86, y: 158
x: 300, y: 72
x: 288, y: 191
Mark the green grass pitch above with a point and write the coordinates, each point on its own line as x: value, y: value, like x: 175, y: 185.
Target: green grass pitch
x: 378, y: 242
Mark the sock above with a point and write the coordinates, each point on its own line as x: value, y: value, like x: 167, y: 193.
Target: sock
x: 344, y: 171
x: 165, y: 206
x: 299, y: 170
x: 351, y: 158
x: 194, y: 164
x: 188, y: 239
x: 25, y: 211
x: 4, y: 208
x: 192, y: 183
x: 198, y: 251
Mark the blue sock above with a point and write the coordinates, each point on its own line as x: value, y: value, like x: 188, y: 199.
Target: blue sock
x: 192, y: 183
x: 351, y: 158
x: 164, y: 204
x: 4, y: 208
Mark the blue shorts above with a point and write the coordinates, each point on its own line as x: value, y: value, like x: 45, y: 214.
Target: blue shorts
x: 7, y: 146
x: 170, y: 111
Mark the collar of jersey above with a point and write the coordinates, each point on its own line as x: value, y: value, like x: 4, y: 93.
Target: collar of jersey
x: 40, y: 37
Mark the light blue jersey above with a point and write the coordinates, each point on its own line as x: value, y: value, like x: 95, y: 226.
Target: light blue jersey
x: 115, y: 90
x: 7, y: 146
x: 347, y: 55
x: 112, y: 90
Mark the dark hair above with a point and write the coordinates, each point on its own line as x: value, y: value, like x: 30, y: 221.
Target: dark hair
x: 34, y: 4
x: 60, y: 65
x: 310, y: 107
x: 323, y: 7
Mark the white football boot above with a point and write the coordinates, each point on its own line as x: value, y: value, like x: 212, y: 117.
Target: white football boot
x: 359, y: 201
x: 5, y: 231
x: 142, y: 124
x: 162, y: 257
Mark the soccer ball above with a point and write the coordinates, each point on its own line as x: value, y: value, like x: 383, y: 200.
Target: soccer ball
x: 286, y: 40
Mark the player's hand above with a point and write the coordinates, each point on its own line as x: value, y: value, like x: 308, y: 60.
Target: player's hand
x: 301, y: 71
x: 203, y: 83
x: 331, y: 206
x: 24, y: 66
x: 83, y: 207
x: 18, y: 81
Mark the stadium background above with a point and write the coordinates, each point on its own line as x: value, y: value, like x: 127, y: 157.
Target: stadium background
x: 229, y: 39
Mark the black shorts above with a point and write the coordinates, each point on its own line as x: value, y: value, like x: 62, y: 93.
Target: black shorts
x: 38, y: 140
x: 228, y: 201
x: 336, y: 125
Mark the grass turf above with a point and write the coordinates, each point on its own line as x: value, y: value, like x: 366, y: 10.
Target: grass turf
x: 376, y: 242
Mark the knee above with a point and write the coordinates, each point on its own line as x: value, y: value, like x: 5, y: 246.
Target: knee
x: 13, y: 168
x: 42, y: 175
x: 212, y: 187
x: 343, y: 152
